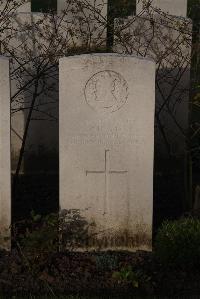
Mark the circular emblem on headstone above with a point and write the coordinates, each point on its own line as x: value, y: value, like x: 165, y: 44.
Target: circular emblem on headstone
x: 106, y: 91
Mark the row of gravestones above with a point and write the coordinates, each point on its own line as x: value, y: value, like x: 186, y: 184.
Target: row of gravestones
x: 161, y: 42
x: 177, y: 8
x: 107, y: 129
x: 106, y: 150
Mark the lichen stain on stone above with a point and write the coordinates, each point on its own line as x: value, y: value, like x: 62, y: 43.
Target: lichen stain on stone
x: 88, y: 234
x: 119, y: 240
x: 88, y: 62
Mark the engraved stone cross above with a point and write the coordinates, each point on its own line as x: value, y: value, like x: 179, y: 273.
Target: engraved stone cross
x: 107, y: 172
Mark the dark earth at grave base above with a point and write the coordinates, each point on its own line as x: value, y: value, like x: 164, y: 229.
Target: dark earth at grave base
x: 91, y: 272
x: 83, y: 273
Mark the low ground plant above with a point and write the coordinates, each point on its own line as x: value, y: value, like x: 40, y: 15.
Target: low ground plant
x: 106, y: 262
x: 178, y: 243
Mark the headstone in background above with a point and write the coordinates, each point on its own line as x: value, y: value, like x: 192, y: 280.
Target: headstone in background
x: 26, y: 7
x: 32, y: 35
x: 20, y: 42
x: 26, y: 43
x: 99, y: 5
x: 84, y: 23
x: 5, y: 176
x: 106, y: 148
x: 15, y: 7
x: 42, y: 138
x: 166, y: 39
x: 172, y: 7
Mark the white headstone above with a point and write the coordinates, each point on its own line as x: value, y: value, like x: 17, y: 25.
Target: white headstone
x: 172, y: 7
x: 12, y: 7
x: 100, y: 5
x: 26, y: 7
x: 5, y: 176
x: 163, y: 41
x: 84, y: 22
x: 106, y: 147
x: 20, y: 43
x: 168, y: 40
x: 29, y: 40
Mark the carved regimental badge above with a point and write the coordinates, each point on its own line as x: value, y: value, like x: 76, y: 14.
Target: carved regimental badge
x: 106, y: 91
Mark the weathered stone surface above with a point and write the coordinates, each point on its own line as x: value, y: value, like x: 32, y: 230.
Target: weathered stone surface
x: 167, y: 40
x: 98, y: 5
x: 84, y: 23
x: 21, y: 44
x: 5, y: 6
x: 5, y: 180
x: 26, y: 7
x: 26, y: 43
x: 176, y: 8
x: 106, y: 147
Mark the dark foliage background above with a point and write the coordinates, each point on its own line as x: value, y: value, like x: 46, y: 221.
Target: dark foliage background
x: 44, y: 5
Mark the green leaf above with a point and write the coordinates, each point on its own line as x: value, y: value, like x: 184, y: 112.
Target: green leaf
x: 135, y: 284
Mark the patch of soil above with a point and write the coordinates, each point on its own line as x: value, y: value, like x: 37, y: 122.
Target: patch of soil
x: 92, y: 273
